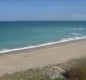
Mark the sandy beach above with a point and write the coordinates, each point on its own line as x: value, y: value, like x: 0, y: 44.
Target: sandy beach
x: 55, y: 54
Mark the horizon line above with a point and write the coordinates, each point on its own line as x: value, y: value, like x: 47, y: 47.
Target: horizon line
x: 39, y: 20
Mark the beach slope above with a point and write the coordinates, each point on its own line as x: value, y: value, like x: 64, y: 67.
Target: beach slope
x: 38, y: 57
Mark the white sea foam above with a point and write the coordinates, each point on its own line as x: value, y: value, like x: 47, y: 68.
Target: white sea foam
x: 78, y: 29
x: 41, y: 45
x: 77, y: 34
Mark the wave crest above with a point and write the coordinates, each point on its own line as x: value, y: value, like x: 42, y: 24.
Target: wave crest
x: 78, y: 29
x: 41, y: 45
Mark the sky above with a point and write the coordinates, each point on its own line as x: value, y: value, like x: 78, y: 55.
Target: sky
x: 26, y: 10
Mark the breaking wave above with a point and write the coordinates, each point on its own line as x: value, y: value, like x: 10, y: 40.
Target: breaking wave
x: 41, y: 45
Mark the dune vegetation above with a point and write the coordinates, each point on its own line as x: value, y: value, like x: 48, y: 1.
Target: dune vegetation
x: 73, y: 70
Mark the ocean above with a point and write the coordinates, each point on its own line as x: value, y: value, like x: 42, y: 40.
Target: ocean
x: 18, y: 35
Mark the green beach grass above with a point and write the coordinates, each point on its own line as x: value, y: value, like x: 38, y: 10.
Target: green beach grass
x: 32, y: 74
x: 74, y: 70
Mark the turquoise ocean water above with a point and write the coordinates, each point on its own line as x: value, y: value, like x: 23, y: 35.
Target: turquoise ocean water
x: 17, y: 35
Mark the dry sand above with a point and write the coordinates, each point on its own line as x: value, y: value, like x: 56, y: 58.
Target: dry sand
x: 25, y: 59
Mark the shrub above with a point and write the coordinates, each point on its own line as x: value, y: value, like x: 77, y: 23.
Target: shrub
x: 78, y: 71
x: 58, y: 79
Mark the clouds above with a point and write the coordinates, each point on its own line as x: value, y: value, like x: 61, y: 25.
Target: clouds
x: 63, y: 16
x: 76, y: 16
x: 46, y: 16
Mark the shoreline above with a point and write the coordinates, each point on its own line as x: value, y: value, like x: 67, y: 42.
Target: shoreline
x: 38, y: 57
x: 43, y: 45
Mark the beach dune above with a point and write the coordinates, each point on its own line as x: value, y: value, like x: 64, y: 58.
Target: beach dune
x: 38, y: 57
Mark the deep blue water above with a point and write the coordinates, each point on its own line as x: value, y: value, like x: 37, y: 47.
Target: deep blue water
x: 17, y: 34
